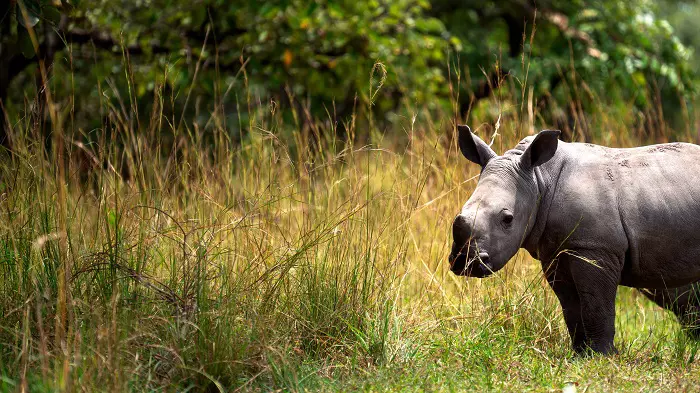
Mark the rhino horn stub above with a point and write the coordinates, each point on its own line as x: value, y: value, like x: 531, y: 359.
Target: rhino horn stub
x: 473, y: 148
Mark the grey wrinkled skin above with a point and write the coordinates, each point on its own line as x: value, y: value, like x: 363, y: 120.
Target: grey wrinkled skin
x: 595, y: 217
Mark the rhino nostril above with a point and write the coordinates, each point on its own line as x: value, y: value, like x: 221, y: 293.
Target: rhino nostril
x: 484, y: 258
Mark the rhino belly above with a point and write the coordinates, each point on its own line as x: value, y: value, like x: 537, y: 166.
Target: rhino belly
x: 663, y: 233
x: 663, y: 267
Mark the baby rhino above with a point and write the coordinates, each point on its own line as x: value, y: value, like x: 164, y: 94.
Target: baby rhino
x: 595, y: 217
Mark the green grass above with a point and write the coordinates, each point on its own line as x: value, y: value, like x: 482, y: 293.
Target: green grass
x: 291, y: 261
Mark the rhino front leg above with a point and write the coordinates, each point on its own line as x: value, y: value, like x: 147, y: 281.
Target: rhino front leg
x: 560, y: 280
x: 596, y: 281
x: 682, y: 301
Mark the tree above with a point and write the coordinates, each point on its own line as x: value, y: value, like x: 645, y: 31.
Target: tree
x: 617, y: 47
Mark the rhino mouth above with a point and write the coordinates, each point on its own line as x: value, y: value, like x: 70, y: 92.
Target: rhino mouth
x: 470, y: 264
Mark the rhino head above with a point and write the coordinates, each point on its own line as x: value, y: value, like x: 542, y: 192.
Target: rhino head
x: 498, y: 216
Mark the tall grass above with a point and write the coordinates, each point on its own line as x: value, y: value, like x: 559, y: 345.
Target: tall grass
x: 293, y: 259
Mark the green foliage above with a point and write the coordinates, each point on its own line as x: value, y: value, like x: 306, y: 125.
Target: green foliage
x: 606, y: 43
x: 683, y: 16
x: 323, y: 50
x: 642, y: 47
x: 326, y: 50
x: 318, y: 54
x: 19, y: 19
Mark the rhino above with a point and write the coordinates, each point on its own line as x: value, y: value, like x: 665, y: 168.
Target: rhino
x: 595, y: 217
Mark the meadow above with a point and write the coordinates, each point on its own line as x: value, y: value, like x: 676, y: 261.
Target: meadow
x: 168, y: 258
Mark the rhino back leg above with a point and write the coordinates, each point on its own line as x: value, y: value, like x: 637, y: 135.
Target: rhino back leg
x: 682, y: 301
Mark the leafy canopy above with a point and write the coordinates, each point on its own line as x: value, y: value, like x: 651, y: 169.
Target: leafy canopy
x: 319, y: 53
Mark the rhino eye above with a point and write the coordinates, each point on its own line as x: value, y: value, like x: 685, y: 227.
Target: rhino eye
x: 507, y: 217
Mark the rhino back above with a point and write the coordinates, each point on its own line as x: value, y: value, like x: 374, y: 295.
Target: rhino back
x: 641, y: 205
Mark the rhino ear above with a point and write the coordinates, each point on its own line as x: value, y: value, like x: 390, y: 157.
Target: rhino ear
x: 473, y: 147
x: 541, y: 149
